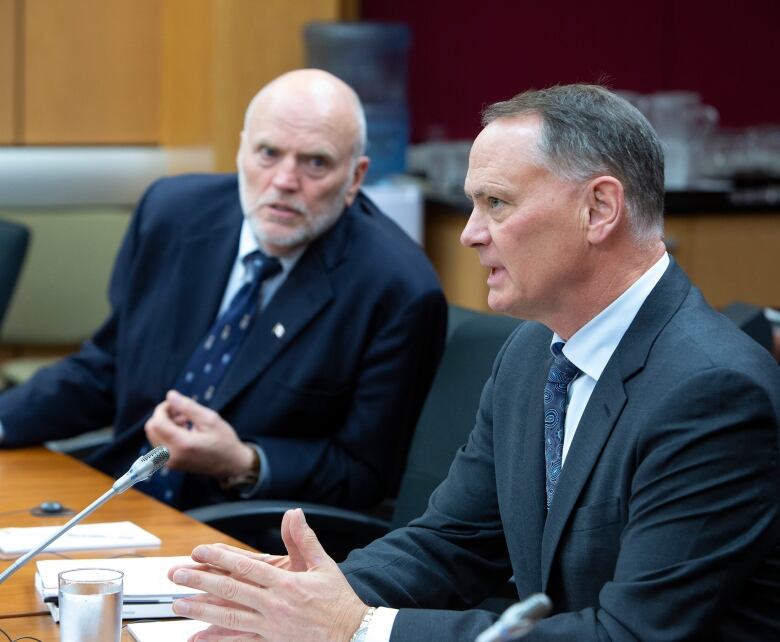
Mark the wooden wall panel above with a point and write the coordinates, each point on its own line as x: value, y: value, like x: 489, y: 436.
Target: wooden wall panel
x: 735, y: 258
x: 92, y: 71
x: 463, y: 278
x: 254, y: 42
x: 7, y: 70
x: 187, y: 44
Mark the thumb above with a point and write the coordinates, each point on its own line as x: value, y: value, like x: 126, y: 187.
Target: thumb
x: 311, y: 552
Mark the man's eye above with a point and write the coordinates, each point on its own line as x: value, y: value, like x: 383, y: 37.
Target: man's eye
x: 494, y: 202
x: 317, y: 162
x: 266, y: 152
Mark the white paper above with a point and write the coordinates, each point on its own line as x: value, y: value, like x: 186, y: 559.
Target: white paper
x: 172, y: 631
x: 146, y: 578
x: 82, y: 537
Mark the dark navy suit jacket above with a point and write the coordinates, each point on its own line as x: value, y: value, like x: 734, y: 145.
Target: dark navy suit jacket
x: 665, y: 521
x: 332, y: 401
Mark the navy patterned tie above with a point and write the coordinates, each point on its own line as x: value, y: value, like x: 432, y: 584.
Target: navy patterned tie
x: 562, y: 373
x: 210, y: 360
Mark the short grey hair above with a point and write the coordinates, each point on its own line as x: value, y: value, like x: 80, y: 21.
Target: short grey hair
x: 360, y: 142
x: 586, y: 131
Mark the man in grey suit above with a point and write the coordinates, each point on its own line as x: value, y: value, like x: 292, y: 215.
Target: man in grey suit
x: 624, y: 458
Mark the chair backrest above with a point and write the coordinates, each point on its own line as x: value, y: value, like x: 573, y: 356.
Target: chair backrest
x: 62, y: 294
x: 14, y: 239
x: 450, y: 408
x: 751, y: 320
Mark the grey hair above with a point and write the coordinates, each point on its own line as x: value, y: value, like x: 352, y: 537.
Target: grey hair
x: 359, y: 144
x: 586, y: 131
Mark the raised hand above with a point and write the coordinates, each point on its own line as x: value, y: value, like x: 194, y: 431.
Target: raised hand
x: 302, y: 596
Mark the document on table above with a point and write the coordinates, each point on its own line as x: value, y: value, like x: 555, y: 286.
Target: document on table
x: 147, y: 591
x: 171, y: 631
x: 82, y: 537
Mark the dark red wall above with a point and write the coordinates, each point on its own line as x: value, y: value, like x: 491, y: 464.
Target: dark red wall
x: 469, y: 53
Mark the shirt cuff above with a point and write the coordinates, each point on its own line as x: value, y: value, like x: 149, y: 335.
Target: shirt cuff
x: 260, y: 488
x: 381, y: 625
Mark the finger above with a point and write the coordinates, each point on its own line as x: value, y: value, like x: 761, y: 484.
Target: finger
x: 311, y: 551
x: 215, y: 633
x: 263, y: 557
x: 199, y: 567
x: 159, y: 417
x: 181, y: 405
x: 238, y: 565
x: 241, y: 591
x: 212, y: 599
x: 234, y: 619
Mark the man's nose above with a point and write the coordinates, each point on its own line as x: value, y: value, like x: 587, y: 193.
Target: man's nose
x: 475, y: 233
x: 286, y: 175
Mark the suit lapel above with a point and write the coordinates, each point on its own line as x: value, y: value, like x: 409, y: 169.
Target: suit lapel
x: 606, y: 403
x: 303, y: 294
x: 529, y: 479
x: 201, y: 271
x: 596, y: 424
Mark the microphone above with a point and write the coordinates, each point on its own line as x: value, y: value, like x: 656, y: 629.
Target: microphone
x: 143, y: 468
x: 518, y: 619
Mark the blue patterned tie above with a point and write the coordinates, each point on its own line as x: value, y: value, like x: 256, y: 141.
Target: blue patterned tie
x: 214, y: 354
x: 562, y: 373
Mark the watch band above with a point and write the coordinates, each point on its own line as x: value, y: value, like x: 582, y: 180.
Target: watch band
x: 362, y: 630
x: 244, y: 480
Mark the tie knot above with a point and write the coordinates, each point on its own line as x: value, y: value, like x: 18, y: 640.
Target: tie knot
x: 562, y: 371
x: 260, y: 266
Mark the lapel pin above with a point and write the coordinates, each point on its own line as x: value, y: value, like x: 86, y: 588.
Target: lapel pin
x: 278, y: 330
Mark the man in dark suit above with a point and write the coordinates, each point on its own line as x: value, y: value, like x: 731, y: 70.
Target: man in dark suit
x: 315, y: 398
x: 625, y: 454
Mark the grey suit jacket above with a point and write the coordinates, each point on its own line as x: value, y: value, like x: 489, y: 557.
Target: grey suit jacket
x: 665, y: 523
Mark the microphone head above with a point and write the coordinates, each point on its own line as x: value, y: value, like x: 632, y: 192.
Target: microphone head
x: 154, y: 459
x: 143, y: 468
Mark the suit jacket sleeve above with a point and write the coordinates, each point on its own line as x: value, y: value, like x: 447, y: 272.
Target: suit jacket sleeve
x: 359, y: 462
x: 702, y: 517
x: 451, y: 558
x: 77, y: 393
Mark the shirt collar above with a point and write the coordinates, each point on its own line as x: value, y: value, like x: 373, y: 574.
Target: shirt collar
x: 591, y: 347
x: 247, y: 243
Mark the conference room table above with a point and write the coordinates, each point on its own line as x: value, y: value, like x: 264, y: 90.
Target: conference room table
x: 33, y: 475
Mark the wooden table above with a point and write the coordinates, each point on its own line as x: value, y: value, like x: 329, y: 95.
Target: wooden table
x: 41, y: 627
x: 32, y: 475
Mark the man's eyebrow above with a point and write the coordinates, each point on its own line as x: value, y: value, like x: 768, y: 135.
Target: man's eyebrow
x: 316, y: 153
x: 262, y: 142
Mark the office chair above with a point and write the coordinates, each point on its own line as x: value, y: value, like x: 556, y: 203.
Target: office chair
x: 752, y: 321
x: 14, y: 239
x: 61, y: 296
x: 445, y: 422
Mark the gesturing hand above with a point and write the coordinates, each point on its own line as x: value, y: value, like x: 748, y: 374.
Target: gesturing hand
x: 199, y: 440
x: 302, y: 596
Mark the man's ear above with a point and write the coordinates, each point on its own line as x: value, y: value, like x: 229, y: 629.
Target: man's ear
x: 241, y: 143
x: 359, y: 173
x: 606, y: 208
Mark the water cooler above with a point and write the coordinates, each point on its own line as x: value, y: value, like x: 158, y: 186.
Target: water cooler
x: 372, y: 58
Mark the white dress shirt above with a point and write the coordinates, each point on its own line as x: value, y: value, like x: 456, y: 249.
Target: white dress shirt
x: 590, y: 349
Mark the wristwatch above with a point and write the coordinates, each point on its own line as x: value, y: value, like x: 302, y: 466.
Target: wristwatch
x: 362, y: 630
x: 246, y: 480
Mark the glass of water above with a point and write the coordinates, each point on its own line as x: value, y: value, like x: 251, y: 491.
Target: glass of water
x: 90, y: 601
